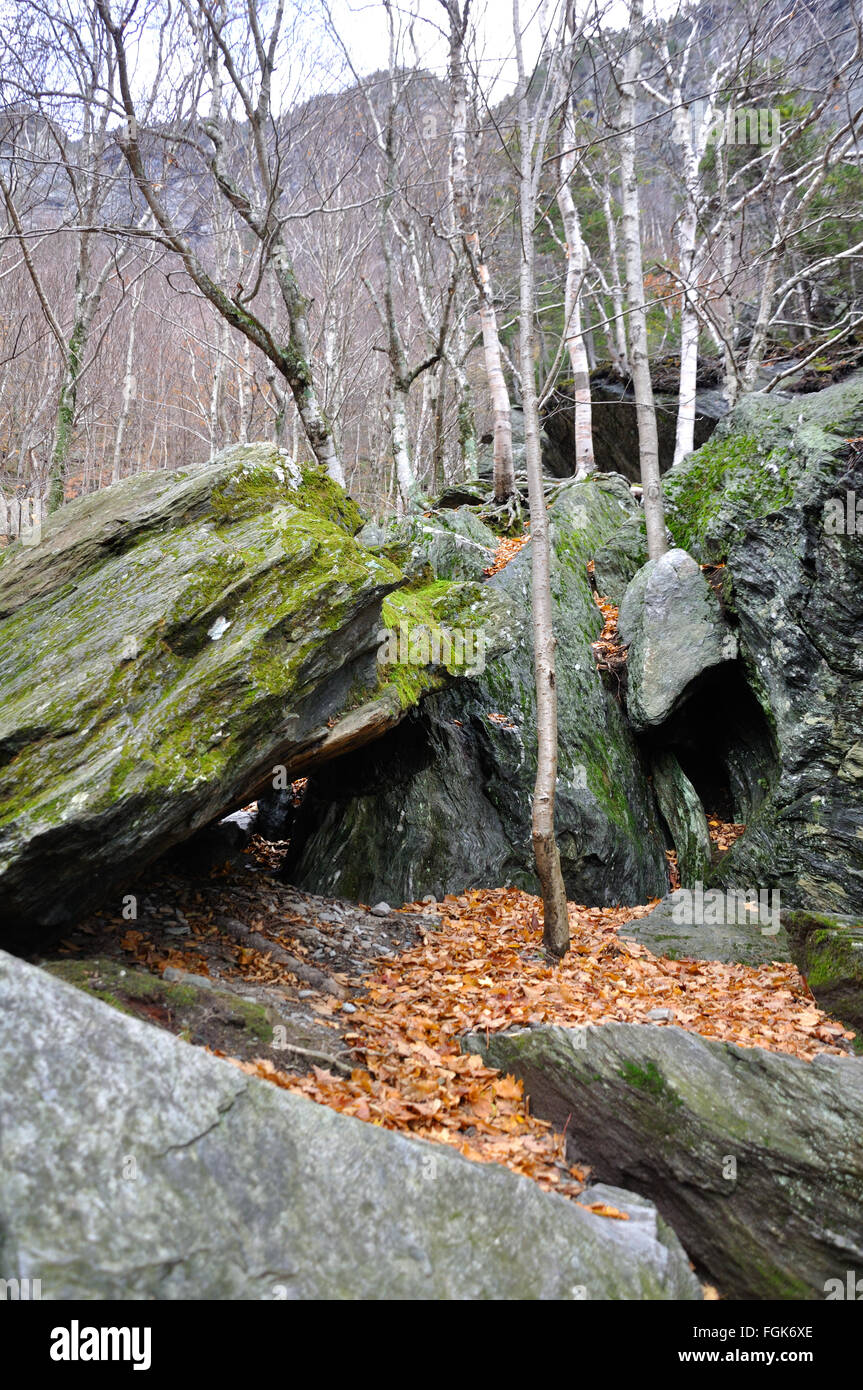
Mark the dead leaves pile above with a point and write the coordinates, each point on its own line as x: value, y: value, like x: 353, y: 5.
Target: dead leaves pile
x: 724, y: 833
x: 484, y: 971
x: 507, y: 549
x: 607, y: 650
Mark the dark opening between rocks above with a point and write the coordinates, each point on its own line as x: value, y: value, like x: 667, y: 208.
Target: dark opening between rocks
x: 723, y: 743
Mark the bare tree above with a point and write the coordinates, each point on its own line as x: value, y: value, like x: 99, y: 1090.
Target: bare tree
x: 63, y: 78
x: 648, y: 442
x: 258, y: 205
x: 576, y: 269
x: 465, y: 218
x: 532, y: 137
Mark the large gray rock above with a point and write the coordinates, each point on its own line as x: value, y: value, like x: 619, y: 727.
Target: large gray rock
x: 133, y: 1166
x: 753, y: 1157
x: 673, y: 625
x: 618, y: 561
x: 764, y: 497
x: 453, y: 541
x: 445, y: 802
x: 170, y: 640
x: 677, y: 928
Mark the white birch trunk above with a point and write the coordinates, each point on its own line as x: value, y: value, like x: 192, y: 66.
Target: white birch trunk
x: 573, y: 335
x: 128, y: 387
x: 465, y: 226
x: 648, y: 443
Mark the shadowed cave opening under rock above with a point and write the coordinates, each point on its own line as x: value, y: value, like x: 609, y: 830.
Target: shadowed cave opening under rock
x: 723, y: 743
x: 719, y: 736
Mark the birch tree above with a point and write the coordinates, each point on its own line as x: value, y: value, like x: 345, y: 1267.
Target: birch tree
x: 648, y: 442
x: 389, y: 310
x: 690, y: 134
x: 576, y: 269
x: 467, y: 229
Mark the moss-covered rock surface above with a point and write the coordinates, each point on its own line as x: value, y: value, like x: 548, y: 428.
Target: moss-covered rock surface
x: 444, y: 801
x: 771, y: 501
x: 829, y: 952
x: 170, y: 640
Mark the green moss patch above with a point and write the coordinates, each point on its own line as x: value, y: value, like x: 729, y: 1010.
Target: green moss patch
x: 650, y: 1080
x: 730, y: 478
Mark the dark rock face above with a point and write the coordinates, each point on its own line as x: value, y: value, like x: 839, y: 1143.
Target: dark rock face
x: 444, y: 803
x: 133, y: 1166
x: 781, y: 474
x: 170, y: 640
x: 829, y: 952
x: 753, y: 1157
x: 275, y: 818
x: 615, y: 427
x: 220, y: 843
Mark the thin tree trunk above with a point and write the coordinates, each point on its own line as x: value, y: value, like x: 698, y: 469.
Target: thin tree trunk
x: 408, y: 485
x: 215, y: 411
x: 467, y: 446
x: 648, y: 443
x: 504, y: 470
x: 621, y: 349
x: 244, y: 394
x: 465, y: 225
x: 128, y: 388
x: 573, y: 335
x: 684, y: 441
x: 438, y: 426
x: 66, y: 411
x: 546, y: 853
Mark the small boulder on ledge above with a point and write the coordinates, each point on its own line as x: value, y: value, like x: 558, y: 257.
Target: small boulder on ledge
x: 672, y: 623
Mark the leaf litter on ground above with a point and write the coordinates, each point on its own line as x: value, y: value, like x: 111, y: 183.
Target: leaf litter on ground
x: 482, y: 969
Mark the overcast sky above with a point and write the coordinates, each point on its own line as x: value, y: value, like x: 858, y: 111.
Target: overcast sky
x: 363, y: 27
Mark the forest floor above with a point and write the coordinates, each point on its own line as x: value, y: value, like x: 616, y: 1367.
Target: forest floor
x: 364, y: 1012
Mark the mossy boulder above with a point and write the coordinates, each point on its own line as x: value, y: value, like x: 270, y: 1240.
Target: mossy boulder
x: 444, y: 802
x: 829, y: 952
x: 769, y: 453
x: 620, y: 558
x: 753, y: 1157
x: 794, y: 579
x: 453, y: 542
x: 171, y: 640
